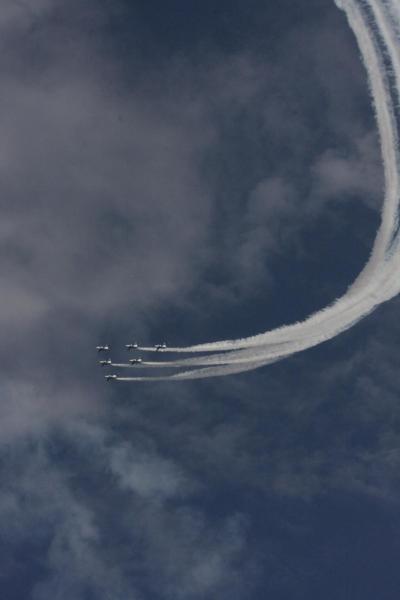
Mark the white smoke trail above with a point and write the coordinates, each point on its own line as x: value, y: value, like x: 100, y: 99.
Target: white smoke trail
x: 201, y: 373
x: 166, y: 364
x: 376, y: 25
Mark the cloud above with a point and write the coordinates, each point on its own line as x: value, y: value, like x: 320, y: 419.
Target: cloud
x: 103, y: 204
x: 121, y: 187
x: 34, y: 404
x: 147, y: 476
x: 270, y: 208
x: 337, y: 176
x: 21, y: 14
x: 131, y: 538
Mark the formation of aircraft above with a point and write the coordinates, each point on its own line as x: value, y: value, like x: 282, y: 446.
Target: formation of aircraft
x: 160, y: 346
x: 135, y: 361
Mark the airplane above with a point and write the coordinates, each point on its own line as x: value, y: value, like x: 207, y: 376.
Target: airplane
x: 131, y: 346
x: 110, y: 377
x: 103, y: 348
x: 135, y: 361
x: 103, y: 363
x: 160, y: 346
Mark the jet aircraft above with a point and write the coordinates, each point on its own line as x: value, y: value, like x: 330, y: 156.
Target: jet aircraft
x: 103, y: 348
x: 160, y: 346
x: 135, y: 361
x: 131, y: 346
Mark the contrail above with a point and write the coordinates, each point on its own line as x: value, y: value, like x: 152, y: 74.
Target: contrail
x: 166, y: 364
x: 376, y: 25
x: 200, y: 373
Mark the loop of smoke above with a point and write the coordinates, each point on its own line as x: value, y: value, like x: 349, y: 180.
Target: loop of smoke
x: 376, y: 25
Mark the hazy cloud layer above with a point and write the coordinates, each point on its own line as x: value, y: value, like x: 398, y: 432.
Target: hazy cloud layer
x: 133, y: 189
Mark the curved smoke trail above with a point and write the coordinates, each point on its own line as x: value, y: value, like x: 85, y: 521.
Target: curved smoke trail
x: 376, y: 25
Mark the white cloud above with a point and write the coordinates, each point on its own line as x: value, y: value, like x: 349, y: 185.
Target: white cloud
x: 151, y: 477
x: 357, y: 172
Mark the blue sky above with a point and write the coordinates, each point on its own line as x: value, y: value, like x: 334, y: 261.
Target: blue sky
x: 190, y: 172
